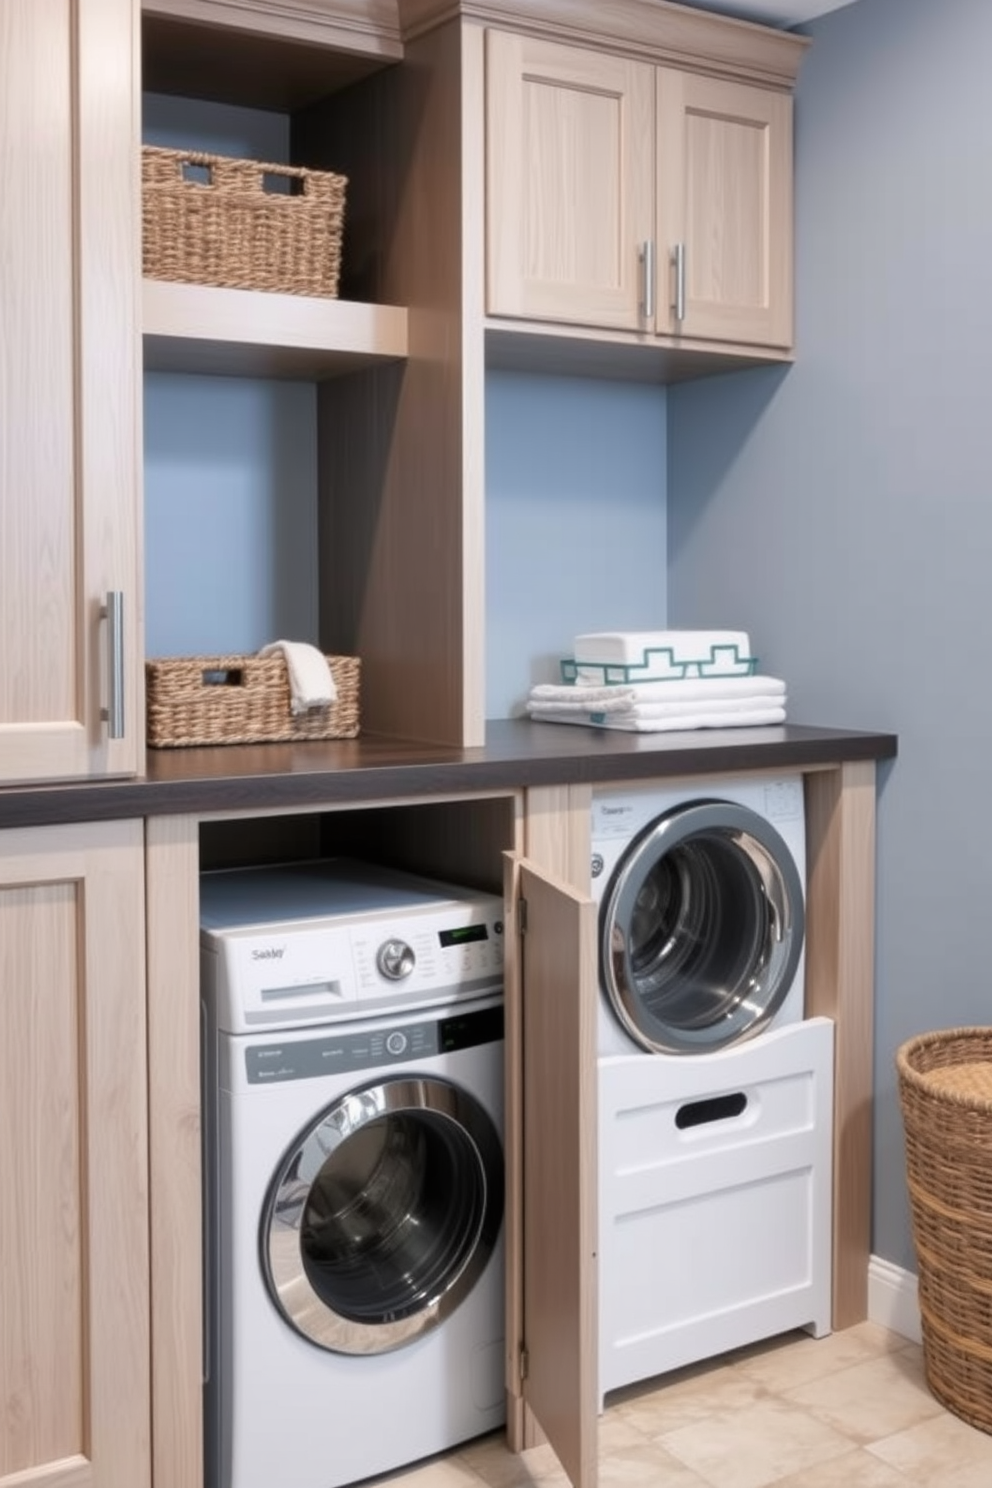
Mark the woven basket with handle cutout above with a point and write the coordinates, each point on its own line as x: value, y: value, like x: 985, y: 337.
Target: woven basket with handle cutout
x: 198, y: 700
x: 212, y: 219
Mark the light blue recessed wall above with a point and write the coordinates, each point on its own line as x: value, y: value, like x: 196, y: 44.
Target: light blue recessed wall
x: 218, y: 128
x: 575, y: 521
x: 230, y: 514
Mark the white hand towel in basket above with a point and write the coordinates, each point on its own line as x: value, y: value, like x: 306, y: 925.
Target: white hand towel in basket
x: 310, y: 682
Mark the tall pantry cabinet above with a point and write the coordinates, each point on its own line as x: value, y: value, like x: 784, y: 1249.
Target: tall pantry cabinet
x: 70, y: 673
x: 74, y: 1245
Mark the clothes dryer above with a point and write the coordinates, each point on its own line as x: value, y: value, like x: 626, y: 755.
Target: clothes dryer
x: 715, y: 1094
x: 702, y: 913
x: 353, y: 1101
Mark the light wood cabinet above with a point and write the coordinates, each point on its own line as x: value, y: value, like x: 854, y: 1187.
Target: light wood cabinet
x: 636, y: 198
x: 724, y: 210
x: 74, y: 1287
x: 69, y: 478
x: 569, y: 183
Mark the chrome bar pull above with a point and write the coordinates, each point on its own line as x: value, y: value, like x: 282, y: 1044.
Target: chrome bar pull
x: 678, y: 258
x: 113, y: 613
x: 646, y: 257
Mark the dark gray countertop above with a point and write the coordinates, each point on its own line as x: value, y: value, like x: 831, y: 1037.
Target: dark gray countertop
x: 517, y: 753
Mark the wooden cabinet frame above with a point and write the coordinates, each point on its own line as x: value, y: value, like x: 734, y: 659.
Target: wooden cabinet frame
x: 441, y: 846
x: 552, y: 854
x: 840, y: 847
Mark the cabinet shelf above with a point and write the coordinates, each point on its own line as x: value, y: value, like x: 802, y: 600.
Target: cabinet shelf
x: 254, y: 333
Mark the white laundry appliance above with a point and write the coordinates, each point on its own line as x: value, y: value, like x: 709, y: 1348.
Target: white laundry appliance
x: 353, y: 1153
x: 715, y: 1092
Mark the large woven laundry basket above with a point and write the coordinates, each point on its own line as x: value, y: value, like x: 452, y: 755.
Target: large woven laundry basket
x: 945, y: 1091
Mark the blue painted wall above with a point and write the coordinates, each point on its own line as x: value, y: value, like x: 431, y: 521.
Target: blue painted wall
x: 575, y: 521
x: 218, y: 128
x: 842, y: 509
x: 230, y: 514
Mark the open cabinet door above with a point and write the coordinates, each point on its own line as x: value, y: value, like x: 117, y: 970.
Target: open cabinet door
x: 551, y: 1050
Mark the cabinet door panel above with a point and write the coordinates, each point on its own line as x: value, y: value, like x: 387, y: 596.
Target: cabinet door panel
x: 69, y: 490
x: 74, y: 1332
x: 569, y: 189
x: 553, y: 1017
x: 725, y: 194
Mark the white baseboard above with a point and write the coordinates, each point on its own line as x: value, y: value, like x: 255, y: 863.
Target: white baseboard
x: 892, y: 1298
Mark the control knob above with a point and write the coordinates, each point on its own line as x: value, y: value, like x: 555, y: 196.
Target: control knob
x: 395, y: 960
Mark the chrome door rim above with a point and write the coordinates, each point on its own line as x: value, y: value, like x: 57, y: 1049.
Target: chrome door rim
x: 439, y: 1104
x: 773, y: 878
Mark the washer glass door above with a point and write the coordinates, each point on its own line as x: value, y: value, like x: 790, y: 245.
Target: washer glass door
x: 383, y: 1214
x: 701, y: 928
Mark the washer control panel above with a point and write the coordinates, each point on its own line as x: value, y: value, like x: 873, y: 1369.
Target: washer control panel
x: 315, y: 1057
x: 416, y: 950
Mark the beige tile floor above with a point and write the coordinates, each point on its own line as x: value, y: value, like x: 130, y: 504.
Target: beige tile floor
x: 848, y: 1411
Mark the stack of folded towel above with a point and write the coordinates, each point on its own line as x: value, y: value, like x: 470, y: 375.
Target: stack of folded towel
x: 665, y: 681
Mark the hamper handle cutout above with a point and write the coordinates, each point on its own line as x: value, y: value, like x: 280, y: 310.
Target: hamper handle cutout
x: 716, y: 1108
x: 223, y: 677
x: 199, y: 175
x: 280, y: 185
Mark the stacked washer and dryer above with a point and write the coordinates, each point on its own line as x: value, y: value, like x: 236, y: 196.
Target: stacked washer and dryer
x: 353, y: 1155
x: 353, y: 1119
x: 715, y: 1091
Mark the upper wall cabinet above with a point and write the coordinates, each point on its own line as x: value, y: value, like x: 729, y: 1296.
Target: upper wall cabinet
x: 639, y: 198
x: 70, y: 699
x: 570, y: 182
x: 724, y: 210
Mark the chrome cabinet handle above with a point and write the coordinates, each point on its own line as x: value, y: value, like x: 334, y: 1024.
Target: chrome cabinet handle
x: 646, y: 257
x: 678, y: 258
x: 113, y: 613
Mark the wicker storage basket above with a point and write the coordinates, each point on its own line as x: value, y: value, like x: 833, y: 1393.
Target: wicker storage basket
x: 945, y: 1090
x: 242, y: 700
x: 228, y: 230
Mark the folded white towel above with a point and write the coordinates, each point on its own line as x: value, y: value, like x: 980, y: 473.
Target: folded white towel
x: 311, y: 684
x: 582, y: 695
x: 673, y: 723
x: 603, y: 700
x: 613, y: 699
x: 622, y: 708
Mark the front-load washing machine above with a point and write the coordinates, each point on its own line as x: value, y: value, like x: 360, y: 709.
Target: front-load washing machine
x: 353, y: 1156
x: 715, y: 1094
